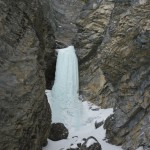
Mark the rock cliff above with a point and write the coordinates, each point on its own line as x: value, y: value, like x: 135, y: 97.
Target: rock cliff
x: 25, y: 37
x: 92, y: 26
x: 64, y: 15
x: 113, y: 46
x: 113, y: 43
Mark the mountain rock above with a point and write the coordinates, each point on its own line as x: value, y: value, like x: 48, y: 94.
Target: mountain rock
x: 25, y: 36
x: 58, y: 132
x: 91, y: 143
x: 64, y: 15
x: 113, y: 43
x: 92, y: 29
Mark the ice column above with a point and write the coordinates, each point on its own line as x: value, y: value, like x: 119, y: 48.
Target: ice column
x: 66, y: 107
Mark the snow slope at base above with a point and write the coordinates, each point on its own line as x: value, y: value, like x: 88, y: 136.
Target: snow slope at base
x: 91, y: 114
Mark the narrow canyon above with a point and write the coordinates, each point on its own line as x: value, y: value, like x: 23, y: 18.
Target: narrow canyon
x: 112, y: 42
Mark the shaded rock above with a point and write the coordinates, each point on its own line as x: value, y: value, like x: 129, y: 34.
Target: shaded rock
x: 50, y: 65
x: 146, y: 147
x: 98, y: 124
x: 64, y: 15
x: 130, y: 77
x: 25, y: 116
x: 58, y: 132
x: 113, y: 44
x: 45, y: 143
x: 50, y: 59
x: 91, y: 143
x: 91, y: 32
x: 60, y: 45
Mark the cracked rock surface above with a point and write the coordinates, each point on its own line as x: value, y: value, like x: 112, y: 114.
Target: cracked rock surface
x: 113, y: 43
x: 25, y: 37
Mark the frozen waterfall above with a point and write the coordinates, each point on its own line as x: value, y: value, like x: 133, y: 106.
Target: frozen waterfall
x: 66, y: 107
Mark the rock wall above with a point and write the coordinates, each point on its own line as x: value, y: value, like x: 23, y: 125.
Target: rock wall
x: 127, y: 57
x: 25, y: 37
x: 92, y: 30
x: 113, y: 43
x: 64, y: 14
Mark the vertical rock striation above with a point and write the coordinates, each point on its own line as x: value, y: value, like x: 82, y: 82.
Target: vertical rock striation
x: 25, y: 35
x: 113, y: 43
x: 126, y: 61
x: 92, y: 30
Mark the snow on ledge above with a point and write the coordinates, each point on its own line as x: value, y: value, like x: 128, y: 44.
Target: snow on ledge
x: 140, y: 148
x: 90, y: 142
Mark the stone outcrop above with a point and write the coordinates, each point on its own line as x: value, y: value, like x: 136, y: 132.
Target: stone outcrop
x: 50, y: 59
x: 91, y: 143
x: 113, y: 43
x: 58, y: 132
x: 92, y: 29
x: 64, y: 14
x: 25, y: 37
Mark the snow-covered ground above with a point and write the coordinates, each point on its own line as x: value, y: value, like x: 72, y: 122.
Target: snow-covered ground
x: 91, y: 114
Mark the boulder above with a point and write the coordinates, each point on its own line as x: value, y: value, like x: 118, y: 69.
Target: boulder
x: 58, y: 132
x: 91, y: 143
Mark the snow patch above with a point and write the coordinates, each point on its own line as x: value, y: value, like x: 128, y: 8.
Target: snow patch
x: 67, y: 107
x: 140, y: 148
x: 74, y: 146
x: 86, y: 130
x: 142, y: 2
x: 90, y: 142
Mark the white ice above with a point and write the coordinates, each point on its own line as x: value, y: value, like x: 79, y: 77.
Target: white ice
x: 140, y: 148
x: 65, y: 104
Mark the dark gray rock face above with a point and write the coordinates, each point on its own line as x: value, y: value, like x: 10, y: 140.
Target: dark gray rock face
x: 58, y: 132
x: 25, y: 36
x: 98, y: 124
x: 90, y: 143
x: 113, y: 43
x: 65, y: 13
x: 92, y: 27
x: 50, y: 59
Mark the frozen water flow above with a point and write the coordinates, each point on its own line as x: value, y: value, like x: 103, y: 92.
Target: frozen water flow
x: 66, y: 106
